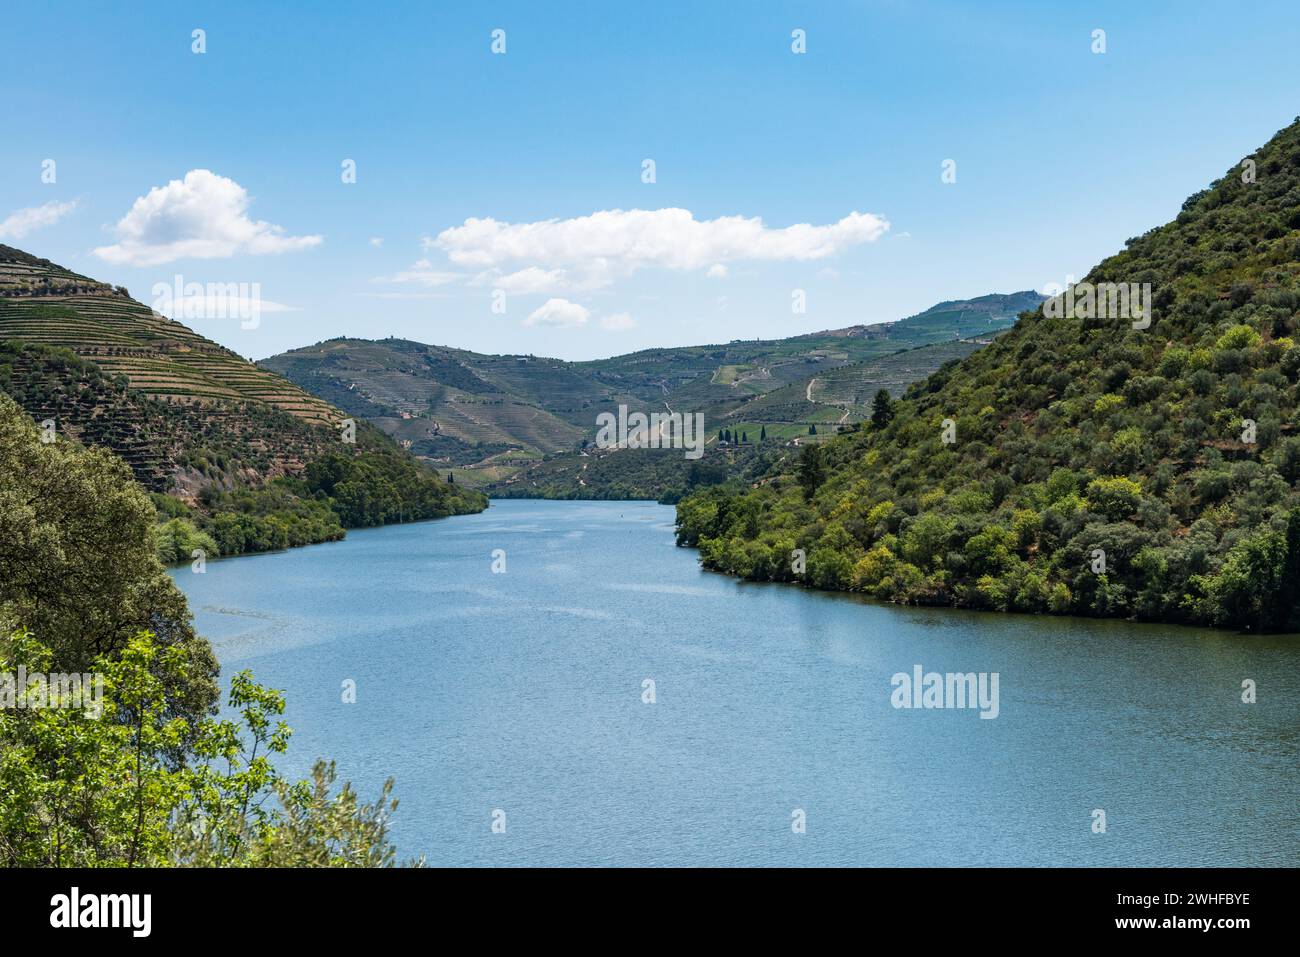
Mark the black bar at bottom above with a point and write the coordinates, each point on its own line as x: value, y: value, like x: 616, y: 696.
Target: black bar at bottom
x: 1218, y: 904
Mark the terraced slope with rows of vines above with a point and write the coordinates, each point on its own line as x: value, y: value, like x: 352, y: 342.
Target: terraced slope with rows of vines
x: 44, y: 304
x: 239, y: 459
x: 171, y: 446
x: 182, y: 411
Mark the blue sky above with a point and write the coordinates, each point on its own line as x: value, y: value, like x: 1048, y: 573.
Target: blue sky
x: 1061, y: 154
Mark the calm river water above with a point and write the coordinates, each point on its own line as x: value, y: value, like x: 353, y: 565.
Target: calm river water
x: 524, y: 692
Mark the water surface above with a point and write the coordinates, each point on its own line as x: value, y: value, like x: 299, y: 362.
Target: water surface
x: 523, y: 692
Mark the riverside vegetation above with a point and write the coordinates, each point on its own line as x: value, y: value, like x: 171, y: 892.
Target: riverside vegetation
x: 1095, y: 468
x: 155, y: 443
x: 154, y: 779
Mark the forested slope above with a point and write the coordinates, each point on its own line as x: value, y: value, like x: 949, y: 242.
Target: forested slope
x: 1078, y: 464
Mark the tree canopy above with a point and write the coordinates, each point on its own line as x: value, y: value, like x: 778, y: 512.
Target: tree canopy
x: 77, y: 562
x: 1080, y: 463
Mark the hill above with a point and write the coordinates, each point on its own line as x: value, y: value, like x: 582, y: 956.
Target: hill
x: 1093, y: 459
x: 498, y: 419
x: 749, y: 440
x: 45, y: 304
x: 185, y: 412
x: 239, y: 458
x: 452, y: 406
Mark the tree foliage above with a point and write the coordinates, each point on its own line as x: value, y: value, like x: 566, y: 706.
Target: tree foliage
x: 77, y: 562
x: 1078, y: 464
x: 104, y: 789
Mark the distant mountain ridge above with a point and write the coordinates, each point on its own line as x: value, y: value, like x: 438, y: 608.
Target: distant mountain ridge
x: 188, y: 414
x: 951, y: 318
x: 497, y: 414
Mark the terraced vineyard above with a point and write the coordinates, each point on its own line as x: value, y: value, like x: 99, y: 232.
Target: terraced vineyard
x: 171, y: 446
x: 856, y: 385
x: 184, y: 412
x: 44, y: 304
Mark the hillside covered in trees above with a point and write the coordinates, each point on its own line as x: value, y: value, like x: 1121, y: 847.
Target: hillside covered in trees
x: 1081, y: 463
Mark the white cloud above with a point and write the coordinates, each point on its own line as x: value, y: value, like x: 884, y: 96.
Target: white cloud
x: 203, y: 216
x: 533, y: 280
x: 23, y: 221
x: 530, y: 280
x: 559, y: 313
x: 422, y: 273
x: 619, y: 242
x: 717, y: 271
x: 618, y: 322
x: 376, y: 241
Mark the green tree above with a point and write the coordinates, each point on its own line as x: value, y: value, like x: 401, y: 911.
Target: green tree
x: 882, y: 410
x: 177, y: 539
x: 926, y: 539
x: 812, y: 470
x: 77, y: 562
x: 1256, y: 585
x: 101, y: 787
x: 1115, y: 498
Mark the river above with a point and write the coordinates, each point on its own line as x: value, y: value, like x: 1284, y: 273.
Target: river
x: 610, y: 703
